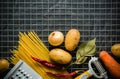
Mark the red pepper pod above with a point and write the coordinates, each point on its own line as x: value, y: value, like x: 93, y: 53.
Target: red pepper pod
x: 46, y: 63
x: 62, y: 75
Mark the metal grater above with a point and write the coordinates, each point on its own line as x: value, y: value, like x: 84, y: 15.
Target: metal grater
x: 22, y: 71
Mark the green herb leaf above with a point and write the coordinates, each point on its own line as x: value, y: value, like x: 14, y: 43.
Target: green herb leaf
x: 81, y: 60
x: 80, y: 51
x: 85, y: 49
x: 90, y: 45
x: 92, y: 52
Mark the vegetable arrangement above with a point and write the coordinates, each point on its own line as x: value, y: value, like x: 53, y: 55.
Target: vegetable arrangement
x: 32, y: 50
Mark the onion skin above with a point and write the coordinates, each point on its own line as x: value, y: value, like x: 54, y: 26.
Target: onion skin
x: 56, y: 38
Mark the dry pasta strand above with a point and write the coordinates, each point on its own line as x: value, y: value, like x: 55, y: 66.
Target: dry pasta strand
x: 30, y: 44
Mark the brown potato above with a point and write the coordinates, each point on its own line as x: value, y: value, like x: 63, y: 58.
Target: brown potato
x: 72, y: 39
x: 115, y: 49
x: 60, y: 56
x: 4, y: 65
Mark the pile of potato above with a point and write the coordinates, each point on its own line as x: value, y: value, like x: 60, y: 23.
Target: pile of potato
x: 71, y: 40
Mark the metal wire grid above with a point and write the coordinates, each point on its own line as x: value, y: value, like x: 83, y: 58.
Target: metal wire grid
x: 93, y: 18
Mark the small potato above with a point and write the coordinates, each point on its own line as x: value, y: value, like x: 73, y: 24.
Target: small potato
x: 115, y: 49
x: 4, y: 65
x: 72, y: 39
x: 60, y: 56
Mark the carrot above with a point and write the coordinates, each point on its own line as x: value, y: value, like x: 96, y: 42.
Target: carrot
x: 111, y: 64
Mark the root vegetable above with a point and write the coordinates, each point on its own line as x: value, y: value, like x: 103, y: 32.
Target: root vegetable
x: 111, y: 64
x: 115, y: 49
x: 72, y: 39
x: 60, y: 56
x: 4, y: 65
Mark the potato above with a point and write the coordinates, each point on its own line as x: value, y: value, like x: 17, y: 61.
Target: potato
x: 4, y: 65
x: 115, y: 49
x: 72, y: 39
x: 60, y: 56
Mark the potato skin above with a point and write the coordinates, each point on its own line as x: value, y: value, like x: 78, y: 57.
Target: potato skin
x: 72, y: 39
x: 4, y: 65
x: 115, y: 49
x: 60, y: 56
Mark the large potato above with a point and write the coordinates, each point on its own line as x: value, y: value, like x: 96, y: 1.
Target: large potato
x: 115, y: 49
x: 60, y: 56
x: 72, y: 39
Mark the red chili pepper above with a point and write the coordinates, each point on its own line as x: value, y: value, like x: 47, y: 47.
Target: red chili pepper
x: 63, y: 75
x: 46, y: 63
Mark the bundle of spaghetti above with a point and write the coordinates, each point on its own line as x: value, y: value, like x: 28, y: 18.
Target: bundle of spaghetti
x: 30, y: 44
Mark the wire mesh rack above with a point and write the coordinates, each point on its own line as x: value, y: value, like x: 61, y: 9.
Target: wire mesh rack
x: 93, y: 18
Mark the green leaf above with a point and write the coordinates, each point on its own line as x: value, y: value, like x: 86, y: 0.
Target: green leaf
x: 83, y: 59
x: 85, y: 49
x: 90, y: 45
x: 92, y: 52
x: 80, y: 51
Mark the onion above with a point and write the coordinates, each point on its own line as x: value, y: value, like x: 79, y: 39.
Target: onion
x: 56, y: 38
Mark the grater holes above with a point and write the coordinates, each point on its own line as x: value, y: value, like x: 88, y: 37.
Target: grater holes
x: 25, y: 73
x: 19, y: 77
x: 18, y: 73
x: 13, y: 77
x: 22, y: 71
x: 27, y: 77
x: 19, y: 69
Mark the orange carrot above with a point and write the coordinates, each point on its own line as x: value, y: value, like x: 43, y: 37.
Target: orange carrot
x: 111, y: 64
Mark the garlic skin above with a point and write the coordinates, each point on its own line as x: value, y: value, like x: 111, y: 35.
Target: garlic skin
x: 56, y: 38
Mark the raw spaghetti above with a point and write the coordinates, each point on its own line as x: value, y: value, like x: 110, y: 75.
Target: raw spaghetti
x: 31, y: 45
